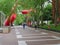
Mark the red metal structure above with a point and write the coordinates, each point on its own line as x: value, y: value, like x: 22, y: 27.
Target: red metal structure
x: 25, y: 11
x: 12, y: 18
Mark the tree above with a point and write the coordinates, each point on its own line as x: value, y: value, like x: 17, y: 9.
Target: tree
x: 5, y: 6
x: 55, y: 4
x: 47, y: 12
x: 42, y: 10
x: 56, y: 14
x: 37, y: 7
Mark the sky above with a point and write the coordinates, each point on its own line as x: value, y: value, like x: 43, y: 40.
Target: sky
x: 46, y: 3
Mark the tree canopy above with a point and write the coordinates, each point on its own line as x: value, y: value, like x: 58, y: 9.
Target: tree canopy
x: 37, y: 6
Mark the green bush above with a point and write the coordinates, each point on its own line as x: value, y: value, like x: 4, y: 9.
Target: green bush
x: 51, y: 22
x: 52, y: 27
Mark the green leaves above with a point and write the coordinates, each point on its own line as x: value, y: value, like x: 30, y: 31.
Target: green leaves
x: 20, y: 18
x: 6, y: 6
x: 47, y: 12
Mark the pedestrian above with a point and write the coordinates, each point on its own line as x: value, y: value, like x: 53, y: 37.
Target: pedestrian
x: 35, y: 25
x: 24, y: 26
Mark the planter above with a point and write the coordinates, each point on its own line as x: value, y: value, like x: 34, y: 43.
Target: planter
x: 6, y: 29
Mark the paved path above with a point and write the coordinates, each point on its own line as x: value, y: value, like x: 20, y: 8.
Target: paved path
x: 29, y: 36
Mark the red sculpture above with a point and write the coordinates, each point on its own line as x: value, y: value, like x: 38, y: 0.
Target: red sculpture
x: 8, y: 21
x: 12, y: 18
x: 25, y: 11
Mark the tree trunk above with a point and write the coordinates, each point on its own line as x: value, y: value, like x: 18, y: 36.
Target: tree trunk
x: 55, y: 6
x: 56, y: 14
x: 42, y: 15
x: 41, y: 20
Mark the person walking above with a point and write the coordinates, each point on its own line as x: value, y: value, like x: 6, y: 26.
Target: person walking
x: 35, y: 25
x: 24, y: 25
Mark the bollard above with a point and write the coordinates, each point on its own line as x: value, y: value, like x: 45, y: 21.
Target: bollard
x: 48, y: 26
